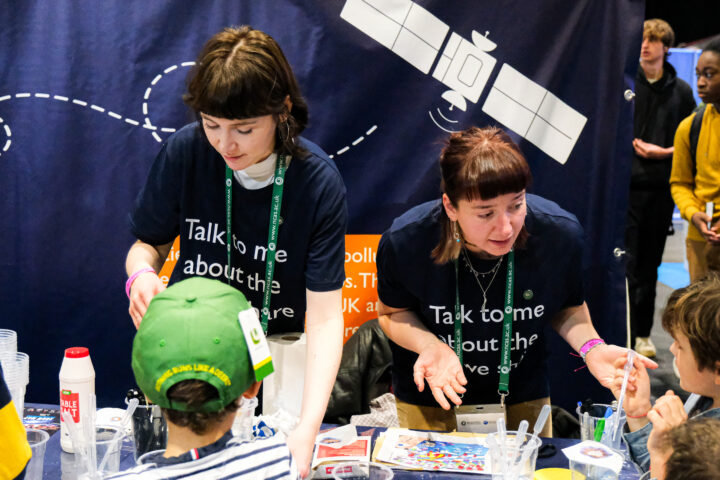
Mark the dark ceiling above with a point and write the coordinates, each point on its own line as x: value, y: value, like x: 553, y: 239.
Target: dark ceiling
x: 691, y: 20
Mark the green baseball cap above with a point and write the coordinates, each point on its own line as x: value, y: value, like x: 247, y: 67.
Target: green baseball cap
x: 191, y: 331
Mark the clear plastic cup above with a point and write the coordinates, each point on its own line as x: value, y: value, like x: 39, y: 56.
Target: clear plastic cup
x: 8, y: 342
x: 16, y: 366
x: 513, y: 457
x: 108, y: 441
x: 242, y: 426
x: 38, y: 441
x: 584, y: 471
x: 589, y: 424
x: 17, y: 393
x: 359, y: 470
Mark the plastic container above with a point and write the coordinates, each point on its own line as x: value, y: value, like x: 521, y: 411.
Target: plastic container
x: 608, y: 434
x: 513, y: 457
x: 77, y: 383
x: 38, y: 442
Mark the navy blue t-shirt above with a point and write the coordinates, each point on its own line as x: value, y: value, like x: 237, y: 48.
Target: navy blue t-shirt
x: 185, y: 195
x: 548, y: 279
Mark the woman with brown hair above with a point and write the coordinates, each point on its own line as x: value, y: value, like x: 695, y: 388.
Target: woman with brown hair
x: 467, y: 285
x: 254, y: 204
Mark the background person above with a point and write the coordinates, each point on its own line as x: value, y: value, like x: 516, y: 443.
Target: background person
x: 662, y: 100
x: 695, y: 179
x: 195, y: 323
x: 250, y: 113
x: 455, y: 253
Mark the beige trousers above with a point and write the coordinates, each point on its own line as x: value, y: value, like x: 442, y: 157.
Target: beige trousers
x: 435, y: 418
x: 702, y: 258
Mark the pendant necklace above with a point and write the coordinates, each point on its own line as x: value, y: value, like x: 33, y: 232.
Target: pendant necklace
x: 477, y: 275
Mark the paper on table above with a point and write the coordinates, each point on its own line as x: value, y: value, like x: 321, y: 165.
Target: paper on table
x: 595, y: 453
x: 432, y: 451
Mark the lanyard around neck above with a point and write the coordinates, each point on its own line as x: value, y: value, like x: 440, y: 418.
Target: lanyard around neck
x: 507, y: 325
x: 275, y: 204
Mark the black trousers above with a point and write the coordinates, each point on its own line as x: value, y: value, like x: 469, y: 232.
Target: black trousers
x: 648, y: 221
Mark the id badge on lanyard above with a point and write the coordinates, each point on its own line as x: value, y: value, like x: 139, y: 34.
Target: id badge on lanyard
x: 482, y: 418
x: 275, y: 205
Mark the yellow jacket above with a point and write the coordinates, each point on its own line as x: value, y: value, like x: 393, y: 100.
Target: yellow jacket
x: 689, y: 192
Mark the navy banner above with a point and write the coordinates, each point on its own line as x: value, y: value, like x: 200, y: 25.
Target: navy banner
x: 89, y: 91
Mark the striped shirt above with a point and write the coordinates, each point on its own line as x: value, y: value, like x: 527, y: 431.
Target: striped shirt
x: 227, y: 458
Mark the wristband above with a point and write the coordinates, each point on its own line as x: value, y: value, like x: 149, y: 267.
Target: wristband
x: 589, y: 345
x: 132, y: 278
x: 637, y: 416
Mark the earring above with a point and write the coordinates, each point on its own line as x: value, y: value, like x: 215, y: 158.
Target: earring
x: 456, y: 233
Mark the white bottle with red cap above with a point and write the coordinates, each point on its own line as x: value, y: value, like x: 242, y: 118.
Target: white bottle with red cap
x: 77, y: 383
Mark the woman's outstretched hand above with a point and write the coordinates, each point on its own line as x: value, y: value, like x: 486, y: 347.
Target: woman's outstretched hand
x: 438, y: 365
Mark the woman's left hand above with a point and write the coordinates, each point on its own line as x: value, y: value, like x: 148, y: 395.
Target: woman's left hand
x: 301, y: 442
x: 600, y: 361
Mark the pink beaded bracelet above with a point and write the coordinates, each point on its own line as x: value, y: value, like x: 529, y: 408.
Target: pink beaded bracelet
x: 132, y: 278
x: 589, y: 345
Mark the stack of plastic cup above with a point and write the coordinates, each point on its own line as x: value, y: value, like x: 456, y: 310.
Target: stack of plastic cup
x: 16, y: 368
x: 8, y: 342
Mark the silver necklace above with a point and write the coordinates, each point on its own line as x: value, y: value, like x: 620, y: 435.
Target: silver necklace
x: 477, y: 275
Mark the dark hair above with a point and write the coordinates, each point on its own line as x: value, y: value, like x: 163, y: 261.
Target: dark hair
x: 696, y: 314
x: 712, y: 46
x: 195, y: 393
x: 478, y: 163
x: 696, y: 449
x: 242, y: 73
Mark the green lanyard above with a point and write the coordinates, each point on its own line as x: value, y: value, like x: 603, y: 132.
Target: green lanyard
x: 275, y: 205
x: 507, y: 326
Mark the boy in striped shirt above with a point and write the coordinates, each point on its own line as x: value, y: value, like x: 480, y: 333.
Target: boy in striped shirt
x: 192, y: 357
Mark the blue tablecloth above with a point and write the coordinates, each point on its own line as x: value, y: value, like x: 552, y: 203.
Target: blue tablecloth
x: 60, y: 465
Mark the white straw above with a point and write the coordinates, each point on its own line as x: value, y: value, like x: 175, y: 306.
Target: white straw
x: 75, y: 439
x: 542, y: 418
x: 132, y: 405
x: 618, y: 412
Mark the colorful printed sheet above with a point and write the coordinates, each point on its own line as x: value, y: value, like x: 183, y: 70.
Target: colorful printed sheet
x: 435, y: 452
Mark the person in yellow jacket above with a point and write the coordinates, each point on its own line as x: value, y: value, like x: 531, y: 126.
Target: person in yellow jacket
x: 694, y: 182
x: 14, y: 448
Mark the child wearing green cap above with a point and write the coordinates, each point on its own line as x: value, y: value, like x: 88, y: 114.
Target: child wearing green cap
x: 198, y: 352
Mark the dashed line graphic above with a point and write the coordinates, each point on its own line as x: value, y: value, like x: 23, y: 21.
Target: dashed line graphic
x: 355, y: 142
x: 8, y: 133
x: 145, y: 124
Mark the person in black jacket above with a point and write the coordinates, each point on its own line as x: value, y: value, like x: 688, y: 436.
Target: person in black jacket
x: 662, y: 100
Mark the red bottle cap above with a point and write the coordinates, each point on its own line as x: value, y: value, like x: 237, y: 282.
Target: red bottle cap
x: 77, y: 352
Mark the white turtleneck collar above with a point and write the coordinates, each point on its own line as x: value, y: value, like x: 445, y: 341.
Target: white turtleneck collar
x: 259, y: 175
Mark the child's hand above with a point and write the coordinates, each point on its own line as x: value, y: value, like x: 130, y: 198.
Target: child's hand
x: 637, y: 394
x: 668, y: 412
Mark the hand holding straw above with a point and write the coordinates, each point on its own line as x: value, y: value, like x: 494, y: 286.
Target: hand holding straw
x: 628, y: 368
x: 132, y: 405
